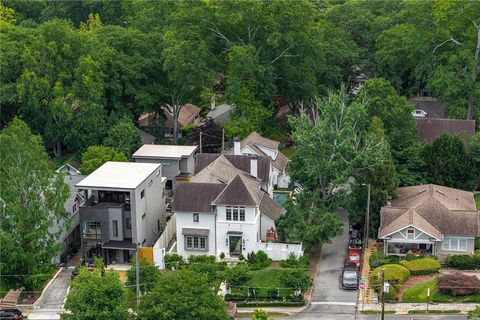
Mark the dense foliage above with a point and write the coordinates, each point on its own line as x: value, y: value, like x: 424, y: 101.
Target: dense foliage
x: 95, y: 156
x: 464, y: 261
x: 32, y: 201
x: 149, y: 274
x: 96, y: 295
x: 182, y: 295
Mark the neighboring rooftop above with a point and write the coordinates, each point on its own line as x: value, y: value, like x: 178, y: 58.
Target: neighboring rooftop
x: 429, y: 129
x: 221, y: 114
x: 146, y: 137
x: 437, y: 210
x: 242, y: 162
x: 430, y: 105
x: 72, y: 181
x: 187, y: 115
x: 255, y: 139
x: 196, y: 197
x: 164, y: 151
x: 219, y: 171
x: 119, y: 175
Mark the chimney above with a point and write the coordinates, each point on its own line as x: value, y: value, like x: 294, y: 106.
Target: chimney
x: 254, y: 165
x: 389, y: 201
x: 271, y: 235
x: 212, y: 103
x: 236, y: 146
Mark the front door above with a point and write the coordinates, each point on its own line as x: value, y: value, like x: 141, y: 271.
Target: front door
x: 235, y: 245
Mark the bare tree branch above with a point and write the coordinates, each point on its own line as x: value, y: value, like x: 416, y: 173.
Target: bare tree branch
x: 445, y: 42
x: 281, y: 54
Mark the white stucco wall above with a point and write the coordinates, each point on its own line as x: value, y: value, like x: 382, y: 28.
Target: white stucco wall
x: 250, y: 230
x: 206, y: 221
x: 266, y: 223
x: 153, y: 205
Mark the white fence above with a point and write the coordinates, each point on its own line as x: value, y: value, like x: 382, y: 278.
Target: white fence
x: 160, y: 247
x: 280, y: 251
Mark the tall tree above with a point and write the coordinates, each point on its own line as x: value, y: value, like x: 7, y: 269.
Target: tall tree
x: 383, y: 182
x: 149, y: 275
x: 332, y: 143
x: 182, y: 295
x: 448, y: 163
x: 124, y: 137
x: 308, y: 221
x: 31, y: 202
x: 96, y: 295
x: 96, y: 156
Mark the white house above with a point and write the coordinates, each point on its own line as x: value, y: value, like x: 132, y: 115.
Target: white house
x: 223, y: 210
x: 256, y: 144
x: 125, y: 207
x: 177, y: 161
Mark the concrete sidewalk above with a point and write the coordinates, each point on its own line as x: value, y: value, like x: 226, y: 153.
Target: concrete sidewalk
x: 405, y: 307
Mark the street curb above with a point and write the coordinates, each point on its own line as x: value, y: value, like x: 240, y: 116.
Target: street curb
x: 48, y: 285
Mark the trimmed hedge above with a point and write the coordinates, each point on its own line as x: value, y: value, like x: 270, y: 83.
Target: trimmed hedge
x: 464, y: 261
x: 421, y: 266
x: 395, y: 274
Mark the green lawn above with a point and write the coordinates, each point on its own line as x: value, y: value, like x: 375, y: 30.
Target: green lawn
x: 477, y: 201
x: 418, y: 294
x: 288, y: 152
x: 268, y: 277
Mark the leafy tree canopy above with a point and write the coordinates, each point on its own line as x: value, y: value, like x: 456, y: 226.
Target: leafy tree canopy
x: 96, y: 156
x: 32, y: 201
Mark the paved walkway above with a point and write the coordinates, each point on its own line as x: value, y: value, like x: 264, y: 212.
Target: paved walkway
x: 405, y: 307
x: 50, y: 304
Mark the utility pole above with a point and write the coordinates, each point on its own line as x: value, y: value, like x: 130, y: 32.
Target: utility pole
x: 367, y: 219
x: 137, y: 274
x: 383, y: 293
x: 200, y: 141
x: 223, y: 139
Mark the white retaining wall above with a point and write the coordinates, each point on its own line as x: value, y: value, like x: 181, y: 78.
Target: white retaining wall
x: 280, y: 251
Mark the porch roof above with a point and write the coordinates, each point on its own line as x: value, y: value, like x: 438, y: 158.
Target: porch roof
x: 195, y: 232
x: 112, y: 244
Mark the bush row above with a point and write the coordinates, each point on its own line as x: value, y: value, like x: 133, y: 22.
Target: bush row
x: 271, y: 304
x: 378, y: 259
x: 421, y: 266
x: 293, y: 262
x: 464, y: 261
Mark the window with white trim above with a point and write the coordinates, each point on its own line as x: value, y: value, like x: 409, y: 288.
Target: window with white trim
x: 195, y: 243
x: 235, y: 213
x: 410, y: 233
x: 454, y: 244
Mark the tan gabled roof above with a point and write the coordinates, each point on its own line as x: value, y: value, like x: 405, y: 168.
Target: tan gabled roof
x: 409, y: 218
x: 256, y: 139
x: 187, y: 114
x: 437, y: 210
x: 219, y: 171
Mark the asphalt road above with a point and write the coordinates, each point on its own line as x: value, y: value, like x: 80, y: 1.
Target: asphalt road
x: 327, y: 288
x: 312, y: 313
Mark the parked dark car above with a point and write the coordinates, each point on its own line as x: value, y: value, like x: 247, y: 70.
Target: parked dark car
x: 350, y: 278
x: 355, y: 244
x: 11, y: 314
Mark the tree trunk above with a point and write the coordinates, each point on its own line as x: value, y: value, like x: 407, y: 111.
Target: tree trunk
x: 471, y: 105
x: 176, y: 112
x: 57, y: 149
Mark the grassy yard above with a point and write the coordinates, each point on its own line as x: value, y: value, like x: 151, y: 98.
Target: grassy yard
x: 268, y: 277
x: 418, y: 293
x: 288, y: 152
x: 477, y: 201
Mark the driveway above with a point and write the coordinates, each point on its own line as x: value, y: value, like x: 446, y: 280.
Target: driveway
x: 50, y: 304
x: 327, y: 289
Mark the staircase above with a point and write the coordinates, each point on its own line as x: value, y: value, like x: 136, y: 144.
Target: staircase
x: 368, y: 295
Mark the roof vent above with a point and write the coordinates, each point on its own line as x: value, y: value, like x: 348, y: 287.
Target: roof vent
x: 440, y: 192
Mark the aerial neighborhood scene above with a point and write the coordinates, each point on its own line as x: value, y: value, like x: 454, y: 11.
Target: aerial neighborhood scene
x: 239, y: 159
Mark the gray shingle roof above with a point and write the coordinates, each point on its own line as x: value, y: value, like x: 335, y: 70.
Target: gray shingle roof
x: 255, y: 138
x: 431, y: 106
x: 196, y: 197
x: 240, y: 192
x: 431, y: 129
x: 437, y: 210
x: 270, y: 208
x: 72, y: 180
x: 241, y: 162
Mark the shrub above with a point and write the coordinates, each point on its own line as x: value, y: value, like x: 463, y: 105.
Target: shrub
x: 258, y: 260
x: 213, y: 271
x: 293, y: 262
x: 421, y: 266
x: 222, y: 255
x: 477, y: 243
x: 237, y: 275
x: 458, y: 284
x: 378, y: 259
x: 391, y: 295
x: 172, y: 259
x: 395, y: 274
x: 463, y: 262
x: 295, y: 278
x: 241, y: 257
x: 201, y: 259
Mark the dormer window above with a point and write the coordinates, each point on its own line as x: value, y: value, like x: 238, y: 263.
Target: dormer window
x: 410, y: 233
